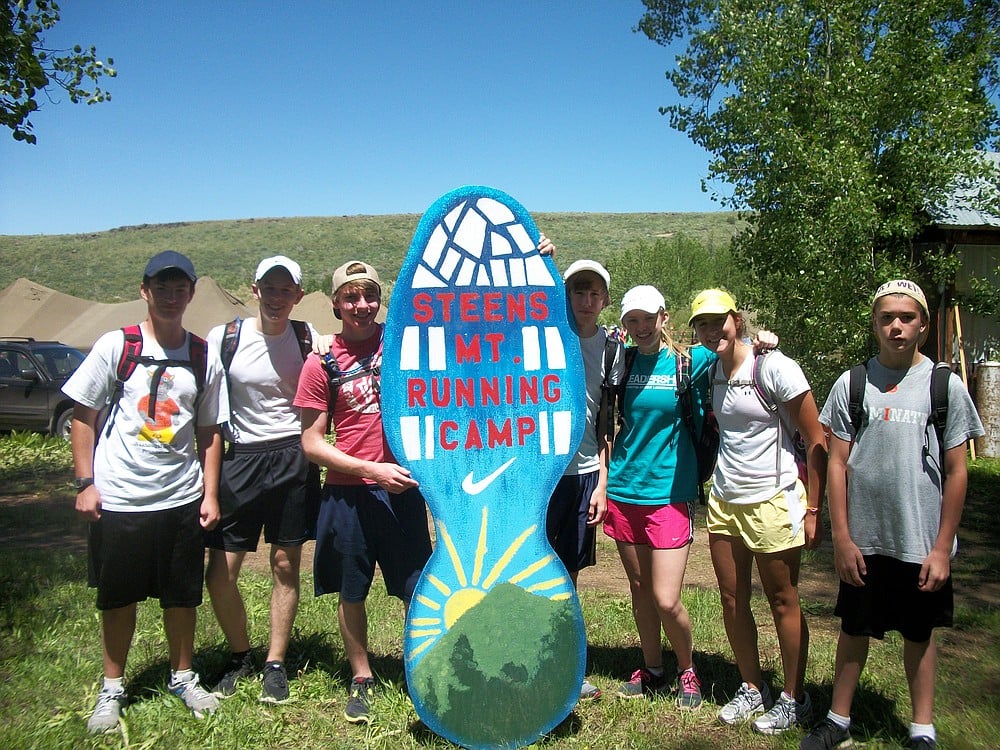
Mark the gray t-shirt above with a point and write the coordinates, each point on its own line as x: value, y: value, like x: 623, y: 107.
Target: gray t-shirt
x: 893, y: 471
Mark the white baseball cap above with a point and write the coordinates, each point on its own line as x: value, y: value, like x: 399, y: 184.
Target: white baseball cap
x: 646, y: 298
x: 588, y: 265
x: 279, y: 261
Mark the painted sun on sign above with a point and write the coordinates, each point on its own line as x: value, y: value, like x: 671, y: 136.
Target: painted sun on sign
x: 488, y: 404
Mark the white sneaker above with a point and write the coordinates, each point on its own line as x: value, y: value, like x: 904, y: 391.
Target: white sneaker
x: 106, y: 712
x: 785, y: 714
x: 747, y: 703
x: 200, y: 701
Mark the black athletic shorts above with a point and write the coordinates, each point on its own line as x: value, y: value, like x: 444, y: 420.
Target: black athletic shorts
x: 361, y: 525
x: 147, y: 554
x: 890, y: 600
x: 268, y: 486
x: 566, y: 521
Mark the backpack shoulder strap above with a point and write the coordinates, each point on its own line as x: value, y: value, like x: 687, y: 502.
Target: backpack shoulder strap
x: 198, y: 354
x: 687, y: 410
x: 684, y: 393
x: 607, y: 405
x: 856, y: 396
x: 765, y: 398
x: 304, y: 336
x: 630, y: 355
x: 127, y: 362
x: 940, y: 377
x: 230, y: 342
x: 130, y: 353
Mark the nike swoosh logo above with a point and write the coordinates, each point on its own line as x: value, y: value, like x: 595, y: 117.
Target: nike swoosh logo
x: 474, y: 488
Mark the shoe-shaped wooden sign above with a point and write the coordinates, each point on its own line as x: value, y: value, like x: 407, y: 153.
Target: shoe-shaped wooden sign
x: 484, y: 400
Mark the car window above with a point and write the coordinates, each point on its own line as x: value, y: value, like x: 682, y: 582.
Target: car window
x: 60, y: 362
x: 8, y: 364
x: 24, y: 363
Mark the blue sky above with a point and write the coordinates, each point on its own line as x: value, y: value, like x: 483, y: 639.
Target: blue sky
x: 227, y: 110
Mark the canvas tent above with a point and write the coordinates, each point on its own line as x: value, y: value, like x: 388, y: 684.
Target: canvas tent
x: 30, y: 309
x: 316, y: 308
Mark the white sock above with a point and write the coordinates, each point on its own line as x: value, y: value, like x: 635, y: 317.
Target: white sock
x: 181, y: 676
x: 923, y: 730
x: 844, y: 722
x: 114, y: 685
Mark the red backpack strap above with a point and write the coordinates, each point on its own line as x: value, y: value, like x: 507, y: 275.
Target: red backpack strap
x: 130, y: 353
x: 127, y: 362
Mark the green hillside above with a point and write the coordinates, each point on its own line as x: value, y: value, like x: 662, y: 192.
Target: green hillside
x: 105, y: 266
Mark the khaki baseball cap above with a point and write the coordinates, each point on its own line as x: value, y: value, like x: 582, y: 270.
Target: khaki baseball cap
x: 361, y: 272
x: 902, y: 286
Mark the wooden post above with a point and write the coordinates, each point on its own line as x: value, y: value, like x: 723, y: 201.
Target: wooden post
x: 961, y: 361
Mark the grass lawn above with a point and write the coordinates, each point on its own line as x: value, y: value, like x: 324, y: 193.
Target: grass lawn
x: 50, y: 663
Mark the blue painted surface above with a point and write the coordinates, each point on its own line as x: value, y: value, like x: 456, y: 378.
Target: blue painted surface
x: 484, y: 401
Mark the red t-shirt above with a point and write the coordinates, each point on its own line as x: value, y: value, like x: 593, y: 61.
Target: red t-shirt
x: 357, y: 410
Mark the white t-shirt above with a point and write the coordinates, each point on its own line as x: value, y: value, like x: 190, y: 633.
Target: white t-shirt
x: 586, y: 459
x: 751, y: 468
x: 147, y: 464
x: 263, y: 378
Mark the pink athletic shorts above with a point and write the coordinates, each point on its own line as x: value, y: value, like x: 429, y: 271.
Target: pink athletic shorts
x: 658, y: 526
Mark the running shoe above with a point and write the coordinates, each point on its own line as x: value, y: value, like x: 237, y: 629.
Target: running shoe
x: 746, y: 704
x: 359, y: 700
x: 275, y: 687
x: 688, y: 690
x: 785, y: 714
x: 642, y: 682
x: 237, y: 669
x: 195, y: 697
x: 827, y: 736
x: 106, y: 712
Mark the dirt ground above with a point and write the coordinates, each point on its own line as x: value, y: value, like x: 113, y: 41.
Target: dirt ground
x: 53, y: 524
x: 49, y: 522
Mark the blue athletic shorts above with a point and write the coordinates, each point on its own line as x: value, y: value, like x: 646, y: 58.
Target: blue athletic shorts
x: 566, y: 521
x: 363, y: 525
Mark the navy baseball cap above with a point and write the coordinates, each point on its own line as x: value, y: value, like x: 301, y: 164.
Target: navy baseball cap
x: 170, y: 259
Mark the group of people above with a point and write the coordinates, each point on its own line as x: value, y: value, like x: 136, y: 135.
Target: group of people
x: 209, y: 444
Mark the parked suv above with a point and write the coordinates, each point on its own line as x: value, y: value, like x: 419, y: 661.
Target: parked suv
x: 31, y: 374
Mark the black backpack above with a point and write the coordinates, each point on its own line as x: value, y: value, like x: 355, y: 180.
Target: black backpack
x: 370, y: 365
x: 231, y: 341
x: 705, y: 441
x: 131, y: 357
x: 609, y: 392
x: 938, y: 417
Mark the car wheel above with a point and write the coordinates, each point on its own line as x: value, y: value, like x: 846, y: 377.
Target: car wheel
x: 64, y: 422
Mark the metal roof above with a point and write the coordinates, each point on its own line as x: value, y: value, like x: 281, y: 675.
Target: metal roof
x: 961, y: 210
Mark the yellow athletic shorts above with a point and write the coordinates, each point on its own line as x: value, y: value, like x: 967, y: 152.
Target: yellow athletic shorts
x: 773, y: 525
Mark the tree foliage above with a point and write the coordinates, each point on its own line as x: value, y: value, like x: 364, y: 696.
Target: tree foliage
x: 836, y: 124
x: 679, y: 267
x: 28, y: 67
